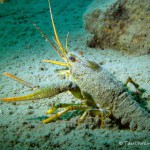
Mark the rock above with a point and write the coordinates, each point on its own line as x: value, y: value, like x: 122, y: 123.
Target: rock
x: 119, y: 24
x: 2, y: 1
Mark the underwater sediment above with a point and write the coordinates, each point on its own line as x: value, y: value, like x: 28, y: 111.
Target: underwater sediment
x: 21, y: 51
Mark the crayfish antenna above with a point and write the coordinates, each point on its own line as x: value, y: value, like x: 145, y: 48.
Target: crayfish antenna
x: 55, y: 31
x: 30, y: 85
x: 56, y: 63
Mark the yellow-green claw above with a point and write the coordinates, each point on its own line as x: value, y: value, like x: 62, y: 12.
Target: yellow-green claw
x: 45, y: 92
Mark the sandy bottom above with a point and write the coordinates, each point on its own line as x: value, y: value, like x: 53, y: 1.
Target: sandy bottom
x: 21, y: 50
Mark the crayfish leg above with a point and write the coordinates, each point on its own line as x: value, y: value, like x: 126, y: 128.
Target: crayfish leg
x: 67, y: 107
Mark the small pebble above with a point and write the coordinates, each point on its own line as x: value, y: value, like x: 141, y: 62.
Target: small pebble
x: 14, y: 103
x: 28, y: 136
x: 24, y: 123
x: 30, y: 112
x: 31, y: 126
x: 11, y: 112
x: 30, y: 107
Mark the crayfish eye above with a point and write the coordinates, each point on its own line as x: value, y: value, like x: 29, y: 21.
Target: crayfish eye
x: 72, y: 58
